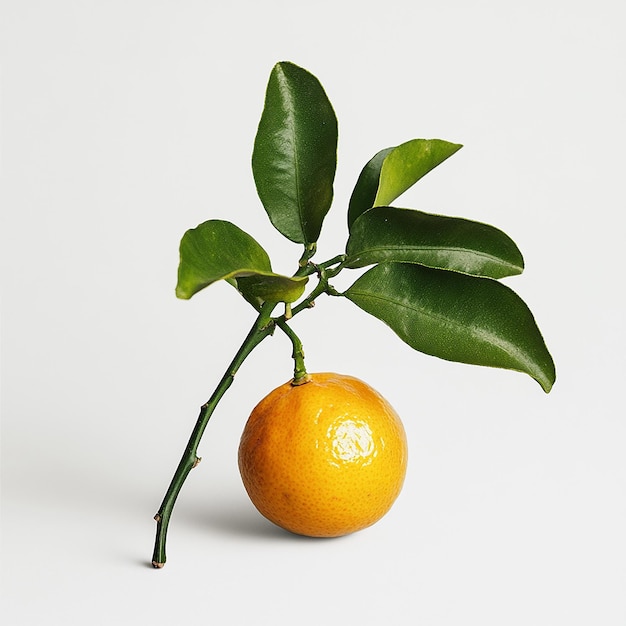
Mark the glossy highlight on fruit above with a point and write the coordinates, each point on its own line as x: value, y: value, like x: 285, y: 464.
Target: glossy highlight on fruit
x: 325, y: 458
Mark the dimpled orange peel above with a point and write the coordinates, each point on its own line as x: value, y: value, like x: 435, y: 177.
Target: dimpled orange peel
x: 325, y: 458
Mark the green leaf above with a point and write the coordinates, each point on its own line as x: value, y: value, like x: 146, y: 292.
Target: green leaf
x: 394, y: 170
x: 271, y: 287
x: 364, y: 192
x: 455, y: 317
x: 295, y: 153
x: 219, y: 250
x: 451, y: 243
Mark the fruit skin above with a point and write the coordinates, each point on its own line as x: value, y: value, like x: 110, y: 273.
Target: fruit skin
x: 325, y: 458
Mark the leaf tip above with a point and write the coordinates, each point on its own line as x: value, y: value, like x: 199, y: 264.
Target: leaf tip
x: 548, y: 383
x: 182, y: 294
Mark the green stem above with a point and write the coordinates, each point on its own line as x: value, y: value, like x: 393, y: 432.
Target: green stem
x: 312, y: 268
x: 324, y: 271
x: 300, y: 375
x: 263, y: 327
x: 321, y: 287
x: 309, y: 252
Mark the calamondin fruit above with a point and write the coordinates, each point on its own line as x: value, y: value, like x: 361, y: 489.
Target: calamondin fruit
x: 324, y: 454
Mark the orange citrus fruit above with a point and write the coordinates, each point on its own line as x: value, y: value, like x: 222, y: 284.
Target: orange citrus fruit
x: 325, y: 458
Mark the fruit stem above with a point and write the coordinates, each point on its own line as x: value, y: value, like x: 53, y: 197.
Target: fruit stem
x: 263, y: 327
x: 324, y: 272
x: 300, y: 375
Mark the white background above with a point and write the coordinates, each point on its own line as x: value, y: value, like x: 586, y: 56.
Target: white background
x: 126, y: 122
